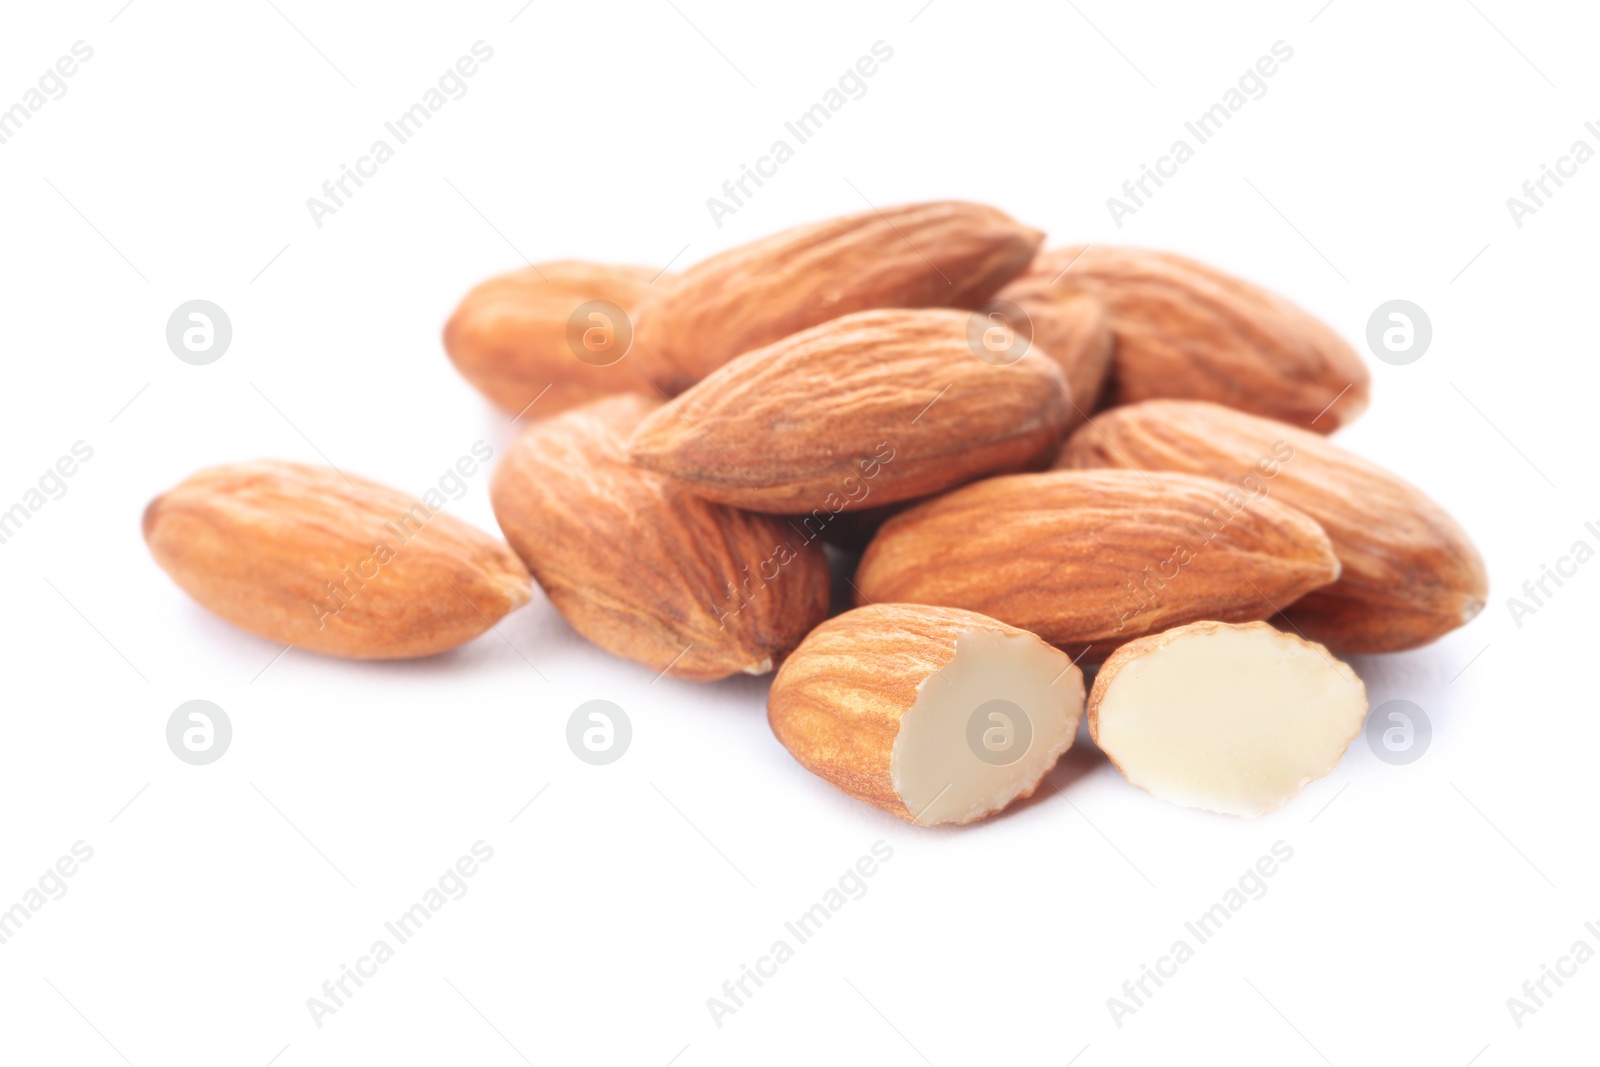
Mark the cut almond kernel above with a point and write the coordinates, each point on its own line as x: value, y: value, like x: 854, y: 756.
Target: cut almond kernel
x: 1229, y: 718
x: 935, y: 715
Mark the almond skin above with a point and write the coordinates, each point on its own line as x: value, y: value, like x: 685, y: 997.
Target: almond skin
x: 299, y: 555
x: 847, y: 703
x: 510, y: 336
x: 1410, y: 574
x: 942, y: 254
x: 1072, y: 328
x: 1098, y: 558
x: 866, y: 410
x: 644, y: 569
x: 1190, y: 332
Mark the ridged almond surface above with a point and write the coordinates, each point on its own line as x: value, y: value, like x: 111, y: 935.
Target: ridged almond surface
x: 1072, y: 328
x: 300, y: 555
x: 941, y: 254
x: 843, y: 706
x: 1188, y: 331
x: 1098, y: 558
x: 890, y: 402
x: 644, y: 569
x: 1410, y: 574
x: 512, y: 336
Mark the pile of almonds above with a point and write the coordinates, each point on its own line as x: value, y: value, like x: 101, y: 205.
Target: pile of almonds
x: 1014, y: 461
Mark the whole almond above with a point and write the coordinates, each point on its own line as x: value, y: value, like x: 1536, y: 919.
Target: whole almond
x: 1070, y: 327
x: 308, y: 557
x: 1410, y: 574
x: 1098, y: 558
x: 1188, y: 331
x: 539, y: 335
x: 869, y: 409
x: 641, y: 567
x: 941, y: 254
x: 933, y: 714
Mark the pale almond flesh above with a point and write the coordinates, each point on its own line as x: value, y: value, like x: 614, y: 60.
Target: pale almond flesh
x: 863, y: 411
x: 1188, y: 331
x: 893, y: 703
x: 1409, y: 573
x: 644, y: 569
x: 305, y: 556
x: 1090, y: 560
x: 942, y: 254
x: 1230, y: 719
x: 512, y: 336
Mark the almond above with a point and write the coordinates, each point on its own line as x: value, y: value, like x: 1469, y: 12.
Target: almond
x: 942, y: 254
x: 307, y: 557
x: 540, y: 334
x: 934, y: 715
x: 1410, y: 574
x: 1071, y: 328
x: 1098, y: 558
x: 1231, y: 719
x: 869, y: 409
x: 1188, y: 331
x: 643, y: 568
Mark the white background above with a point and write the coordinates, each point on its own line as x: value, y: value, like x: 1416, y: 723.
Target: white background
x: 220, y: 898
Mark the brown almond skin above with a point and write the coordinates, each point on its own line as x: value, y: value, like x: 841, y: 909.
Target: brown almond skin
x: 837, y: 702
x: 509, y: 336
x: 1410, y: 573
x: 644, y: 569
x: 276, y: 549
x: 1086, y: 558
x: 866, y: 410
x: 1072, y: 328
x: 941, y: 254
x: 1191, y: 332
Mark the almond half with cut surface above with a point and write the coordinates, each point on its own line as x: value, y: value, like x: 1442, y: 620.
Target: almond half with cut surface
x: 553, y: 335
x: 1409, y: 573
x: 934, y: 715
x: 1098, y: 558
x: 942, y: 254
x: 641, y: 567
x: 1189, y: 331
x: 1231, y: 719
x: 305, y: 556
x: 866, y: 410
